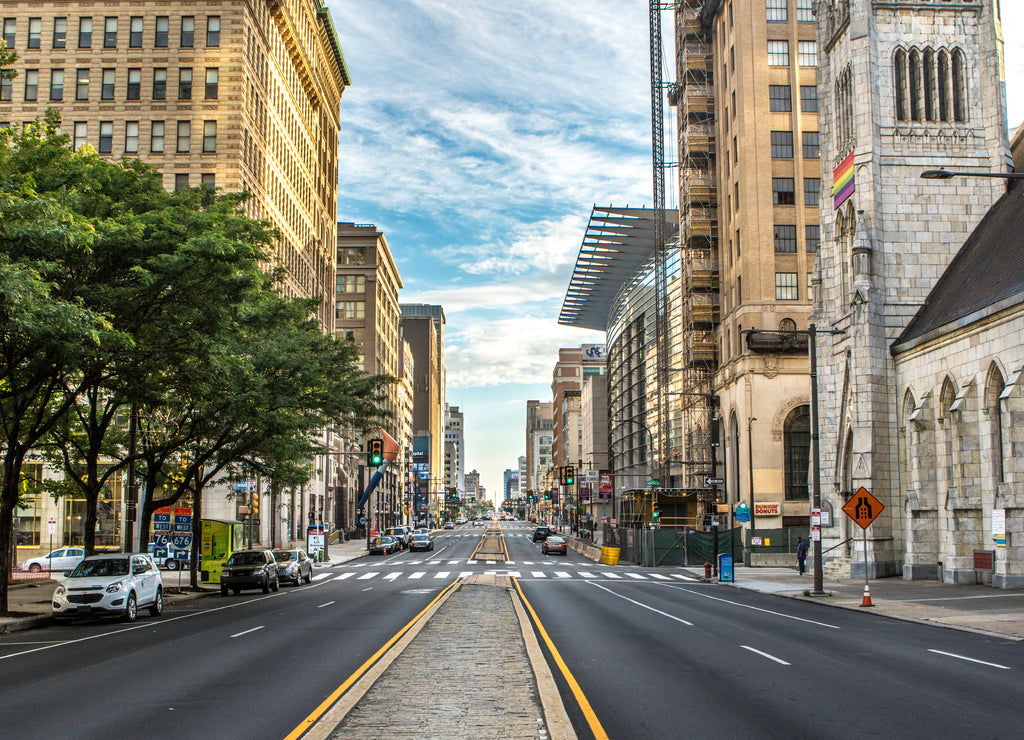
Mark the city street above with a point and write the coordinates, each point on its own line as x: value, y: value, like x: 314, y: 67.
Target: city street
x: 654, y: 652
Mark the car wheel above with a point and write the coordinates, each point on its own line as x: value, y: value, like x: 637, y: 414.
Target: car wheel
x: 131, y: 609
x: 266, y: 584
x: 171, y: 564
x: 309, y: 576
x: 158, y: 605
x: 35, y: 568
x: 276, y: 584
x: 223, y: 590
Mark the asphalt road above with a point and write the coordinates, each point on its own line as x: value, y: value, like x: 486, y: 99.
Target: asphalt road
x: 654, y: 653
x: 656, y: 658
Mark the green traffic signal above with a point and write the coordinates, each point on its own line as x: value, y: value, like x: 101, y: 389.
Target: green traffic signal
x: 376, y: 449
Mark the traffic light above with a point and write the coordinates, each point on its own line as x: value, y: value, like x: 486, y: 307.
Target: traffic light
x: 254, y: 509
x: 376, y: 451
x: 655, y: 514
x: 570, y: 475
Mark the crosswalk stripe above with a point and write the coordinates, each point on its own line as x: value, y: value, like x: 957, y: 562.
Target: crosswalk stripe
x: 660, y: 577
x: 321, y: 576
x: 417, y: 574
x: 539, y: 574
x: 391, y: 576
x: 562, y: 574
x: 586, y: 574
x: 472, y: 562
x: 465, y: 574
x: 637, y: 576
x: 454, y: 562
x: 612, y: 575
x: 366, y: 576
x: 441, y: 574
x: 343, y: 576
x: 513, y: 574
x: 683, y: 577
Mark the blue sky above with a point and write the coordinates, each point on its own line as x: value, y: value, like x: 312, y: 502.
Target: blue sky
x: 477, y: 136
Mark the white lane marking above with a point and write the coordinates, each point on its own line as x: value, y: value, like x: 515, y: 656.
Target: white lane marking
x: 637, y: 576
x: 637, y: 603
x: 323, y: 605
x: 417, y: 574
x: 972, y: 660
x: 660, y: 577
x: 343, y: 576
x: 562, y: 574
x: 454, y: 562
x: 392, y: 576
x: 755, y: 608
x: 248, y: 631
x: 367, y: 576
x: 510, y: 562
x: 413, y: 562
x: 539, y: 574
x: 780, y: 661
x: 465, y: 574
x: 472, y: 562
x: 490, y: 562
x: 513, y: 574
x: 587, y: 574
x: 441, y: 574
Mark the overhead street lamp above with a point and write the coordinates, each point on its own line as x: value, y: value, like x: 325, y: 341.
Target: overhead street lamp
x: 941, y: 174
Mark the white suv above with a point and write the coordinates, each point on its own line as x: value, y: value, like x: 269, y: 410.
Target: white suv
x: 115, y: 584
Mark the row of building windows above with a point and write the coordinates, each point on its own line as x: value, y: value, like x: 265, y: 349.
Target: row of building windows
x: 930, y: 85
x: 806, y: 53
x: 780, y: 99
x: 784, y: 191
x: 157, y: 137
x: 782, y: 144
x: 136, y: 32
x: 778, y: 10
x: 785, y: 238
x: 108, y: 84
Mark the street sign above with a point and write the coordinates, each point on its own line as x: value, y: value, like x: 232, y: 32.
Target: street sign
x: 52, y: 526
x: 863, y: 508
x: 714, y: 481
x: 654, y: 482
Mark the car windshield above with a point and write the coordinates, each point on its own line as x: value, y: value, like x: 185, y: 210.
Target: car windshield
x: 247, y: 558
x: 379, y: 540
x: 102, y: 568
x: 421, y: 537
x: 285, y: 556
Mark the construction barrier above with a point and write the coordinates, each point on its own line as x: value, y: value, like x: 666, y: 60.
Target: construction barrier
x: 610, y: 555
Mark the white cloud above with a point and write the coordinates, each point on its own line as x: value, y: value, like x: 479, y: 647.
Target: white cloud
x: 522, y: 350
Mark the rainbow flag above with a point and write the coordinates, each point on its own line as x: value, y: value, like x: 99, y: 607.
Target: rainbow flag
x: 842, y: 182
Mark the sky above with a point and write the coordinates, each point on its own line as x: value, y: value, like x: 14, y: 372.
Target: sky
x: 477, y: 136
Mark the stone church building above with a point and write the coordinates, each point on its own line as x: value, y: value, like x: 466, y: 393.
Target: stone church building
x: 918, y: 393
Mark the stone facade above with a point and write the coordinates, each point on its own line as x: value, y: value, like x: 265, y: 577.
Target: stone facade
x: 885, y: 247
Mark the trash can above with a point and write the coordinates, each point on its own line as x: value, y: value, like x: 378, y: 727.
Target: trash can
x: 610, y: 555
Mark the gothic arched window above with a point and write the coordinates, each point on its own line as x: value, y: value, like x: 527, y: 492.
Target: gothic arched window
x: 900, y: 75
x: 959, y: 87
x: 796, y: 441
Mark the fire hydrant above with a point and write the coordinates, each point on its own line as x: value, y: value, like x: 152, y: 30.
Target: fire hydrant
x: 707, y: 569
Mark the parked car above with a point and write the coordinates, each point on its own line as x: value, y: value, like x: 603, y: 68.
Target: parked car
x: 58, y: 561
x: 249, y: 569
x: 448, y: 525
x: 117, y: 584
x: 294, y: 566
x: 421, y: 542
x: 554, y: 543
x: 383, y: 545
x: 541, y: 533
x: 421, y: 530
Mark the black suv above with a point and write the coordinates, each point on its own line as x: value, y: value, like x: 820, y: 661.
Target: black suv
x: 541, y: 533
x: 249, y: 569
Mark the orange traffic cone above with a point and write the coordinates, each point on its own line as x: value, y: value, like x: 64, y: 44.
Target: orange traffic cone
x: 867, y: 597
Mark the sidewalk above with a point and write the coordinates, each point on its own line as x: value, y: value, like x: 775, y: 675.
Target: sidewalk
x: 969, y: 607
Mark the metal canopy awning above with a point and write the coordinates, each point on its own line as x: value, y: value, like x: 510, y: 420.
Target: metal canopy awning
x: 618, y: 241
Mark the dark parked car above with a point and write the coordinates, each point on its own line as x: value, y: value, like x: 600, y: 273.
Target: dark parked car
x: 421, y: 542
x: 541, y: 533
x: 294, y: 566
x: 401, y: 535
x: 249, y: 569
x: 383, y: 545
x: 554, y: 543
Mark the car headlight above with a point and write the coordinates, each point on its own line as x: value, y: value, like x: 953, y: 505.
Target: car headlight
x: 113, y: 588
x: 60, y: 590
x: 257, y: 572
x: 290, y: 568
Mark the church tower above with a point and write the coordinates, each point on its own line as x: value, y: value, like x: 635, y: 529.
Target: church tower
x: 904, y: 86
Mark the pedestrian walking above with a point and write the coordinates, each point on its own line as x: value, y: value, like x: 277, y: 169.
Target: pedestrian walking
x: 801, y: 553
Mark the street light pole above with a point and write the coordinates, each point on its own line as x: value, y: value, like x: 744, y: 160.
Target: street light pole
x: 750, y: 470
x: 815, y: 459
